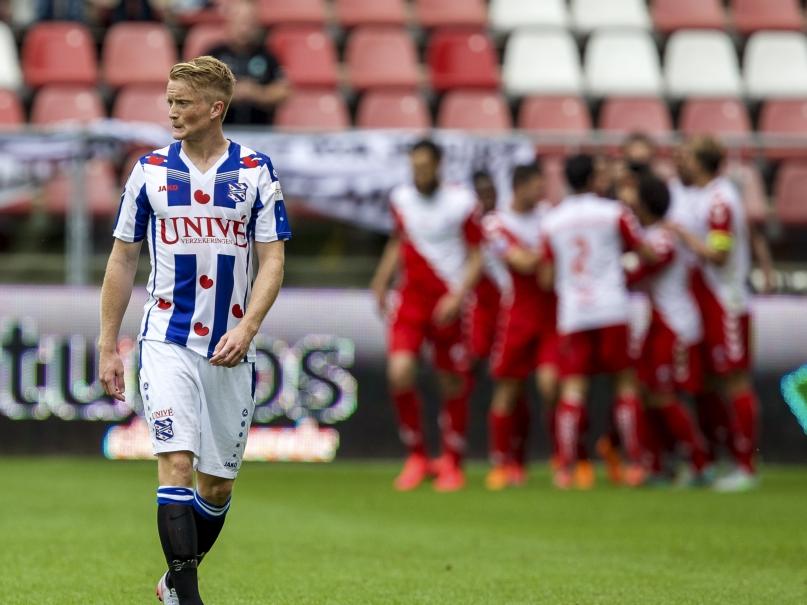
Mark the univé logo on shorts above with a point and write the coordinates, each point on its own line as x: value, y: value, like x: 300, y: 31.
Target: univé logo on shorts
x: 166, y: 413
x: 164, y: 429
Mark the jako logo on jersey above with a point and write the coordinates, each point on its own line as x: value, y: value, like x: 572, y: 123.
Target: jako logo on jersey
x: 237, y: 192
x: 168, y: 188
x: 196, y: 229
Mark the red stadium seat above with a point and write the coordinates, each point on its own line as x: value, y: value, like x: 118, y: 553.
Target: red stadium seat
x: 313, y: 110
x: 138, y: 53
x: 142, y: 104
x: 11, y: 113
x: 390, y: 109
x: 101, y: 190
x: 714, y: 116
x: 671, y: 15
x: 649, y: 115
x: 786, y: 119
x: 381, y: 58
x: 474, y: 110
x: 291, y: 12
x: 202, y: 38
x: 462, y: 60
x: 790, y: 193
x: 451, y: 13
x: 755, y: 15
x: 565, y: 116
x: 53, y: 104
x: 308, y: 56
x: 350, y: 13
x: 59, y: 53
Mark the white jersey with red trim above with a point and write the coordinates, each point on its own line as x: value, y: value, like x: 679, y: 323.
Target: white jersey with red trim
x: 685, y: 211
x: 435, y: 232
x: 723, y: 220
x: 585, y: 236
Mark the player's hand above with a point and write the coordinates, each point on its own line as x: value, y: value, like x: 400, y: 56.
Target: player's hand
x: 447, y: 309
x: 380, y: 294
x: 110, y: 372
x: 232, y: 347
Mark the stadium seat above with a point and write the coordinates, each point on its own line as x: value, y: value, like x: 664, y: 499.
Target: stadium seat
x: 138, y: 53
x: 756, y: 15
x: 460, y: 59
x: 313, y: 110
x: 291, y: 12
x: 390, y: 109
x: 308, y: 56
x: 202, y: 38
x: 566, y: 117
x: 54, y: 104
x: 352, y: 13
x: 775, y: 65
x: 59, y: 53
x: 787, y: 119
x: 11, y: 112
x: 672, y: 15
x: 648, y: 115
x: 588, y: 15
x: 622, y: 63
x: 10, y: 73
x: 507, y: 15
x: 541, y: 63
x: 714, y: 116
x: 701, y: 64
x: 381, y: 58
x: 474, y: 110
x: 101, y: 190
x: 790, y: 193
x: 142, y: 104
x: 451, y: 13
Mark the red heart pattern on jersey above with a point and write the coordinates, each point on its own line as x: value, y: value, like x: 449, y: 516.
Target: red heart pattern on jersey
x: 250, y: 161
x: 200, y: 328
x: 156, y: 160
x: 163, y: 304
x: 201, y: 197
x: 238, y: 311
x: 205, y: 282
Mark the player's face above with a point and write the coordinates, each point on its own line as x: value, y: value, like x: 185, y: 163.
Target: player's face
x: 682, y: 164
x: 190, y: 113
x: 485, y: 193
x: 535, y: 190
x: 424, y: 170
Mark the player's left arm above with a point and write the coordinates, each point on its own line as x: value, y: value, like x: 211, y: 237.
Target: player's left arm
x: 449, y: 306
x: 633, y: 239
x: 762, y: 253
x: 233, y: 345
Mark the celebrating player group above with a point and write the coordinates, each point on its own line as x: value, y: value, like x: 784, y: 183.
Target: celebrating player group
x: 540, y: 292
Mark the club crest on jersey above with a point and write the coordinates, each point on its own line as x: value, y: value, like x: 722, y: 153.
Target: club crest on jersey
x: 237, y: 192
x: 164, y: 429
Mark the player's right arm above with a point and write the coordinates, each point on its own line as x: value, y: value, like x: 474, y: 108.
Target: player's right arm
x: 115, y: 294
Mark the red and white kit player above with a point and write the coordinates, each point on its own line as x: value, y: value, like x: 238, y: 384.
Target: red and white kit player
x: 721, y: 242
x: 436, y: 246
x: 584, y: 239
x: 525, y: 337
x: 670, y: 359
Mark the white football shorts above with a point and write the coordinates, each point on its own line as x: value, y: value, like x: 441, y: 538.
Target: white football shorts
x: 193, y: 406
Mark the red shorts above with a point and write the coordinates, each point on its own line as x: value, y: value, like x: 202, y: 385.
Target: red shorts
x: 412, y: 325
x: 726, y: 338
x: 482, y: 318
x: 601, y: 350
x: 666, y: 364
x: 521, y: 347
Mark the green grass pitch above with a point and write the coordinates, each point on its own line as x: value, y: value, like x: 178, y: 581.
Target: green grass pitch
x: 83, y: 531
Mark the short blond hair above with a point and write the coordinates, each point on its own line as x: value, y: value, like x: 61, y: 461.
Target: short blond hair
x: 208, y: 76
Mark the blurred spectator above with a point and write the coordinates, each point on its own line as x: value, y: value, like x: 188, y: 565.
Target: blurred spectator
x: 261, y: 83
x: 106, y: 11
x: 485, y: 190
x: 63, y: 10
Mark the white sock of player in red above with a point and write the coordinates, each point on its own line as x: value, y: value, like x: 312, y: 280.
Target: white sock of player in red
x: 569, y: 418
x: 410, y: 427
x: 745, y: 408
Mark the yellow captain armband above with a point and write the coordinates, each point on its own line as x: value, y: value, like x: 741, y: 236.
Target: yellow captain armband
x: 720, y: 241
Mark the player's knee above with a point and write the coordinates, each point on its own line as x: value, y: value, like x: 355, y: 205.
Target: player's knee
x: 176, y: 468
x: 216, y: 492
x: 401, y: 374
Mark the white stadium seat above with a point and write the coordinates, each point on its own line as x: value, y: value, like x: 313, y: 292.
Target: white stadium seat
x: 620, y: 62
x: 544, y: 62
x: 507, y: 15
x: 588, y: 15
x: 775, y: 65
x: 701, y: 64
x: 10, y: 73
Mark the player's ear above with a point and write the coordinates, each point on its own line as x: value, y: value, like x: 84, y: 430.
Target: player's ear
x: 217, y: 109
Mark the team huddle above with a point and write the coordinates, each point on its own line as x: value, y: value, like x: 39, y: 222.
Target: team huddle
x: 543, y: 292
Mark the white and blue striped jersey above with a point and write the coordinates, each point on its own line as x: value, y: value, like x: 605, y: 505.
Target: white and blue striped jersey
x: 200, y: 230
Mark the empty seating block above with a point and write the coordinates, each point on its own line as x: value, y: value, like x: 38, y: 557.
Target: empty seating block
x: 715, y: 116
x: 563, y: 114
x: 10, y: 73
x: 11, y: 113
x: 313, y: 110
x: 755, y: 15
x: 701, y: 64
x: 381, y: 57
x: 351, y: 13
x: 391, y: 109
x: 787, y: 120
x: 507, y: 15
x: 55, y: 104
x: 650, y: 116
x: 672, y: 15
x: 790, y: 193
x: 622, y: 63
x: 138, y: 53
x: 308, y: 56
x: 460, y: 59
x: 474, y: 110
x: 59, y: 53
x: 588, y: 15
x: 101, y: 192
x: 544, y: 62
x: 202, y: 38
x: 291, y: 12
x: 142, y: 104
x: 775, y: 65
x: 451, y: 13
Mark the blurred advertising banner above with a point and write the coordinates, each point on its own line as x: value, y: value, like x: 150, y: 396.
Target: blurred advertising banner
x: 321, y: 377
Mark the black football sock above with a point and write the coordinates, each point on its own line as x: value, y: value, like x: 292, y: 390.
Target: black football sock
x: 209, y: 521
x: 177, y: 528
